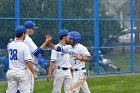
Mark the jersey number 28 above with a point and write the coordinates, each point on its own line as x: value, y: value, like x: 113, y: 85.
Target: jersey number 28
x: 13, y: 54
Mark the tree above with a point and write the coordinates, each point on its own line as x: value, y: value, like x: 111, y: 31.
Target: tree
x: 109, y: 29
x: 49, y: 9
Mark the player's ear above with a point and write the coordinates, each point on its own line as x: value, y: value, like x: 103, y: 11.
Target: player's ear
x: 28, y: 29
x: 23, y: 34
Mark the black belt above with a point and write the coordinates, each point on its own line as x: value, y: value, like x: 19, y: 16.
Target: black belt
x: 77, y: 69
x: 18, y: 69
x: 62, y: 68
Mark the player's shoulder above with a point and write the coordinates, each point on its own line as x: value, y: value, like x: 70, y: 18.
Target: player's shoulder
x: 27, y: 39
x: 69, y: 46
x: 20, y: 44
x: 65, y: 46
x: 16, y: 42
x: 80, y: 46
x: 11, y: 43
x: 24, y: 45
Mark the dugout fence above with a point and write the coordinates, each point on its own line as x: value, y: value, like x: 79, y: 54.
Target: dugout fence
x: 111, y: 26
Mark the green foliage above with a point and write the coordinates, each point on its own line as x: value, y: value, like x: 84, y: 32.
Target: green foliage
x: 49, y: 9
x: 39, y: 8
x: 7, y: 8
x: 6, y: 33
x: 77, y: 9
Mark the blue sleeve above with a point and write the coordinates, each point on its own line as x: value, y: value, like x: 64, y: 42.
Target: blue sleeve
x: 59, y: 48
x: 37, y: 51
x: 90, y: 58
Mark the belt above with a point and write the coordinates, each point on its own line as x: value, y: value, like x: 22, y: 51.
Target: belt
x: 77, y: 69
x: 62, y: 68
x: 18, y: 69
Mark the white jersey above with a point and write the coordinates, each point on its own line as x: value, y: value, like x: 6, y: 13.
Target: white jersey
x: 61, y: 59
x: 106, y: 61
x: 32, y: 46
x: 19, y: 53
x: 80, y: 50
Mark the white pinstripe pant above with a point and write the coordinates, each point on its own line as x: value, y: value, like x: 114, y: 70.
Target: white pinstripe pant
x: 18, y: 78
x: 62, y: 76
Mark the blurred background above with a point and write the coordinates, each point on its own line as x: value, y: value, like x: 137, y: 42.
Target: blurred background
x: 110, y: 28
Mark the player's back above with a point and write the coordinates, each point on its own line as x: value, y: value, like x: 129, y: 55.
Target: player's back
x: 17, y: 55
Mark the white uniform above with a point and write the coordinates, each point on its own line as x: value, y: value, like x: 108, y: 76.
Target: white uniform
x: 18, y: 75
x: 79, y: 71
x: 63, y: 71
x: 32, y: 46
x: 106, y: 61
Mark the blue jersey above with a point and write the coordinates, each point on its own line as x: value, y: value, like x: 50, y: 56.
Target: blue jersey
x: 6, y: 64
x: 43, y: 62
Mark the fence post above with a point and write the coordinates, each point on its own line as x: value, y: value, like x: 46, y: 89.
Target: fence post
x: 59, y: 15
x: 17, y: 13
x: 131, y: 31
x: 96, y: 33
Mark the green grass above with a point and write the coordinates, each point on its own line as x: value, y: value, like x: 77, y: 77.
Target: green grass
x: 109, y: 84
x: 122, y: 60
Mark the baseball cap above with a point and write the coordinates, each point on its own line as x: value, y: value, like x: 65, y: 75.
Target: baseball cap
x: 20, y: 29
x: 30, y: 24
x: 63, y: 32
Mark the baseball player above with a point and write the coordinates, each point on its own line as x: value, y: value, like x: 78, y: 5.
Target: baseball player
x: 20, y: 60
x: 31, y: 27
x: 6, y: 67
x: 6, y: 62
x: 62, y: 64
x: 80, y: 55
x: 34, y: 50
x: 107, y: 63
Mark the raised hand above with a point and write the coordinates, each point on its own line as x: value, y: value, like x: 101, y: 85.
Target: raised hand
x: 48, y: 38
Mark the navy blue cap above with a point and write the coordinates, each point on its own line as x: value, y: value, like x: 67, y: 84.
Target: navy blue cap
x: 63, y: 32
x: 30, y: 24
x: 20, y: 30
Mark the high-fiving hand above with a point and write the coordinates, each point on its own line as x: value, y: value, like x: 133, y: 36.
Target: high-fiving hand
x: 48, y: 38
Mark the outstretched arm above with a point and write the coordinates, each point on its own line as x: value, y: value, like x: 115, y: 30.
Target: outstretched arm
x: 53, y: 46
x: 42, y: 47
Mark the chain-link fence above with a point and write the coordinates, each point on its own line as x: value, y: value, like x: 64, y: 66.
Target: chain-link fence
x: 111, y: 26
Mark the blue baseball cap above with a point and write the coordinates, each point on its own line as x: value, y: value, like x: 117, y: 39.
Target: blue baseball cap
x: 63, y: 32
x: 20, y: 30
x: 30, y: 24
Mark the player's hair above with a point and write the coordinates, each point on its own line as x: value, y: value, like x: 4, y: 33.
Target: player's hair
x: 19, y: 35
x: 61, y: 37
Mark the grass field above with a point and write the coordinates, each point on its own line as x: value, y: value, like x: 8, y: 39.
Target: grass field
x: 101, y: 84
